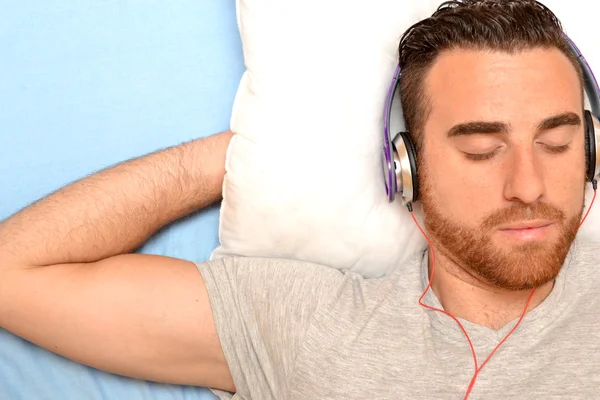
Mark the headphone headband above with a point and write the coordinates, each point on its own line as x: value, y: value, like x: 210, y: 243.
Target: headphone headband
x: 590, y: 83
x: 388, y: 162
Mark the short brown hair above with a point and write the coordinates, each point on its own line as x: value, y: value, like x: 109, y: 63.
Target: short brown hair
x: 503, y: 25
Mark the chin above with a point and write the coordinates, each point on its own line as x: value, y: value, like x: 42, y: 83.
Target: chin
x: 523, y: 266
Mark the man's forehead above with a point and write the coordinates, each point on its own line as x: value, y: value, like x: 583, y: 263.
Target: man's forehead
x: 472, y: 66
x: 484, y: 83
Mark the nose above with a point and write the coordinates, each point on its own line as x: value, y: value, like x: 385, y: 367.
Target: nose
x: 524, y: 180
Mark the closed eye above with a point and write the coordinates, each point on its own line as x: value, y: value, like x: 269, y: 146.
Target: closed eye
x: 486, y: 156
x: 556, y: 149
x: 481, y: 156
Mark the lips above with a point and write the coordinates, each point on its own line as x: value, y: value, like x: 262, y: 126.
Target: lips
x: 526, y: 231
x: 523, y: 225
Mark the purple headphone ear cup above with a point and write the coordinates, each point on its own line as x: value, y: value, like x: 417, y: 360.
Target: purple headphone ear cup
x: 590, y: 146
x: 411, y: 152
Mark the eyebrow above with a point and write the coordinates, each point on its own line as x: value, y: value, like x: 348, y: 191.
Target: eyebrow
x: 567, y: 118
x: 494, y: 127
x: 477, y: 127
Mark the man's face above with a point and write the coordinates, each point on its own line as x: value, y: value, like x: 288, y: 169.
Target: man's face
x: 502, y: 164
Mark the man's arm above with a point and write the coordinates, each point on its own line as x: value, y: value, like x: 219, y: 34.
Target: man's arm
x: 68, y: 284
x: 115, y: 210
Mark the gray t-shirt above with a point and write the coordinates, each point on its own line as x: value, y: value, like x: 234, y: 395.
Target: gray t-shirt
x: 298, y: 331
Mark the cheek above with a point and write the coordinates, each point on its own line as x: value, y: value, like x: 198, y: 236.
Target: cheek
x: 463, y: 196
x: 564, y: 181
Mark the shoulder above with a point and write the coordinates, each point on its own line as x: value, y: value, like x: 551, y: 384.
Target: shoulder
x: 584, y: 253
x: 257, y: 279
x: 262, y: 308
x: 580, y: 269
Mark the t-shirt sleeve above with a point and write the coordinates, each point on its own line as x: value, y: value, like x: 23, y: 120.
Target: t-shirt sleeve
x: 262, y: 309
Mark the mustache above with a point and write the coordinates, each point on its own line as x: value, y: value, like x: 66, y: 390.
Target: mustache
x: 523, y: 212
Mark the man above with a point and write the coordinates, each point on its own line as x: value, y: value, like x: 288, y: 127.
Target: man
x: 493, y: 100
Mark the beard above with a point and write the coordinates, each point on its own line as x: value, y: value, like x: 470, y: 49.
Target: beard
x: 522, y: 266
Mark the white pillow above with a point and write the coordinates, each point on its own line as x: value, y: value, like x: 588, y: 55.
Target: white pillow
x: 304, y: 175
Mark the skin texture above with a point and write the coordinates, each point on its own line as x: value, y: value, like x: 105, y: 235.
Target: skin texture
x: 481, y: 178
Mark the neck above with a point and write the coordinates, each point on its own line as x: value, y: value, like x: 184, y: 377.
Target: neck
x: 464, y: 296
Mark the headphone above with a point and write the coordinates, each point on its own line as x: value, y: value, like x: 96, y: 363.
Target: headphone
x: 400, y: 156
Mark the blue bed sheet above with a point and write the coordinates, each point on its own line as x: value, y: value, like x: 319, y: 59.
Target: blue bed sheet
x: 86, y: 84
